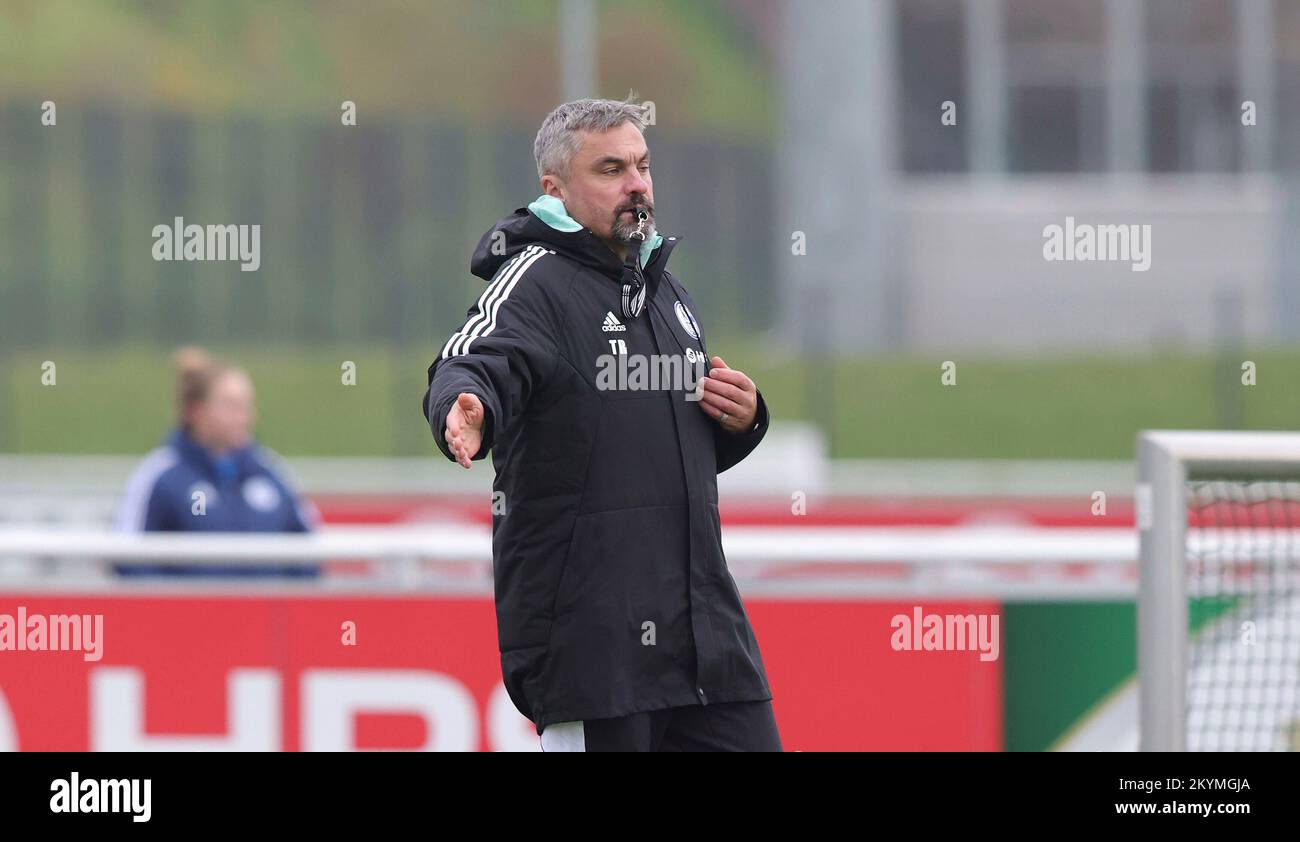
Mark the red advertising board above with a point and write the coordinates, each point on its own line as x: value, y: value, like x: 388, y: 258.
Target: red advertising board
x: 302, y: 672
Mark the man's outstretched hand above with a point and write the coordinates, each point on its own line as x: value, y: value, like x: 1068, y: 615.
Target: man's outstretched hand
x: 729, y: 397
x: 464, y: 433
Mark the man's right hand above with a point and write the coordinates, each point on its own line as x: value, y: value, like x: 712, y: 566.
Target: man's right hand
x: 464, y: 433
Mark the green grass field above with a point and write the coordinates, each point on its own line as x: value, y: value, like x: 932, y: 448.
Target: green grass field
x: 1066, y: 408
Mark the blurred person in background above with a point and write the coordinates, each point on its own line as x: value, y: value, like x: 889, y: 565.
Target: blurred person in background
x: 210, y: 475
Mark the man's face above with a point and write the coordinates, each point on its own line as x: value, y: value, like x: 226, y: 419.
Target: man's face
x: 609, y: 179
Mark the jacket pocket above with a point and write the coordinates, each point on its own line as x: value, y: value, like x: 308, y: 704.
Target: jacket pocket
x: 619, y: 559
x: 563, y: 583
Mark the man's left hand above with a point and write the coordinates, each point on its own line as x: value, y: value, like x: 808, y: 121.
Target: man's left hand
x: 728, y: 397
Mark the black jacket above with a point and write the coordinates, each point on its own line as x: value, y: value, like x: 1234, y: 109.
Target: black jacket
x: 612, y: 592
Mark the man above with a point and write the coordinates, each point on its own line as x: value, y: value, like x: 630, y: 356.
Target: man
x: 619, y: 625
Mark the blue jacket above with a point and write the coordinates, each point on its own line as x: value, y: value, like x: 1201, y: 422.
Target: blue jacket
x: 180, y: 487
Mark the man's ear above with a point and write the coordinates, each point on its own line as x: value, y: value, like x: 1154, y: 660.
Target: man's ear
x: 551, y: 187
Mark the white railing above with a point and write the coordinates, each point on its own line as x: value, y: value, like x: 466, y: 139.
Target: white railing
x: 972, y: 562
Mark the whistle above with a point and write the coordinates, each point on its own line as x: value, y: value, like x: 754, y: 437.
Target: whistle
x: 639, y: 234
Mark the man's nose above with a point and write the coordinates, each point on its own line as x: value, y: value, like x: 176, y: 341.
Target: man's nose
x: 637, y: 185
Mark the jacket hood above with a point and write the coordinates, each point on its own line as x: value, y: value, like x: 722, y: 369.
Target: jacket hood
x: 547, y: 221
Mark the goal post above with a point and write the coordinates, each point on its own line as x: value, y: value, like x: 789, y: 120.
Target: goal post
x: 1218, y: 514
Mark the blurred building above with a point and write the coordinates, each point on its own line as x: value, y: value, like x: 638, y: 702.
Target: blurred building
x: 927, y: 235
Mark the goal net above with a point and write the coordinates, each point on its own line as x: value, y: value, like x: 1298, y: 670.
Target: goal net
x: 1219, y: 603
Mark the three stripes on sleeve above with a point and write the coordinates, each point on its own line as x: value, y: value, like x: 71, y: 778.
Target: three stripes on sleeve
x: 483, y: 318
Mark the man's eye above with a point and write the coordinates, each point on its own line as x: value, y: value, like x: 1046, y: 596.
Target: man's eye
x: 611, y: 172
x: 645, y: 168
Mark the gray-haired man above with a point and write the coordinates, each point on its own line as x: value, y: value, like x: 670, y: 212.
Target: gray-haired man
x: 619, y: 624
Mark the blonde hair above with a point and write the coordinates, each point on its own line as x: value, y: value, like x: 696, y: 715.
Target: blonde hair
x: 196, y: 371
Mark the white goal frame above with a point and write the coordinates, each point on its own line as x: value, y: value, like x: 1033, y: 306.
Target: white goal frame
x: 1166, y: 460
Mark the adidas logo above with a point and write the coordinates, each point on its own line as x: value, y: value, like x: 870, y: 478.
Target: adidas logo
x: 612, y: 324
